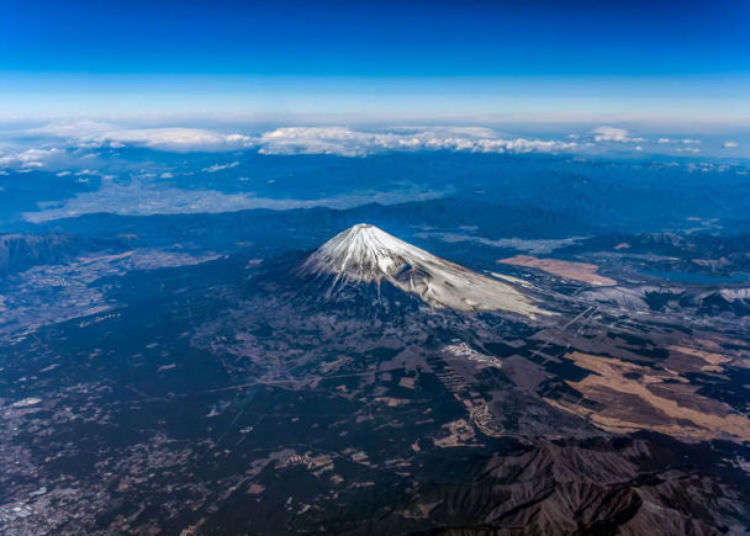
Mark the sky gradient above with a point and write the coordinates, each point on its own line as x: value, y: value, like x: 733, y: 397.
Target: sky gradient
x: 540, y: 61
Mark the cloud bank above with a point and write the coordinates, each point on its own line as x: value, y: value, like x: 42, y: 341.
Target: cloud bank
x: 76, y: 145
x: 348, y: 142
x: 55, y: 146
x: 94, y: 134
x: 334, y: 140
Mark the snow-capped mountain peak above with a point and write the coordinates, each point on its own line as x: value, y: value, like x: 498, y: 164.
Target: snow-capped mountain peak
x: 363, y: 253
x: 366, y: 254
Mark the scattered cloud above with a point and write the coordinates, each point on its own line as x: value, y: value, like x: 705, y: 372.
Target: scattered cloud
x: 348, y: 142
x: 730, y: 144
x: 613, y: 134
x: 29, y: 159
x: 220, y: 167
x: 683, y: 141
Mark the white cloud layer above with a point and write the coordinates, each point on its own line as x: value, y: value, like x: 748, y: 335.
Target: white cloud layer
x: 617, y: 135
x: 347, y: 142
x: 73, y: 138
x: 76, y: 145
x: 94, y: 134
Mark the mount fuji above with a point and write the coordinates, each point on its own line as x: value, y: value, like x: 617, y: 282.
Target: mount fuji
x: 365, y: 254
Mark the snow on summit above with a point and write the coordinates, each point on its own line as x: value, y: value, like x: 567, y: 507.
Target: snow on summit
x: 367, y: 254
x: 363, y: 253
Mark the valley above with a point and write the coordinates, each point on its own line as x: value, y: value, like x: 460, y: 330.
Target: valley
x: 294, y: 392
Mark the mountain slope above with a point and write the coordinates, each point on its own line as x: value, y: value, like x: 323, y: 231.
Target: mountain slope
x: 366, y: 254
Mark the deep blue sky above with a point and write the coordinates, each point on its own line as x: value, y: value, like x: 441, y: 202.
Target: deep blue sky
x: 281, y: 55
